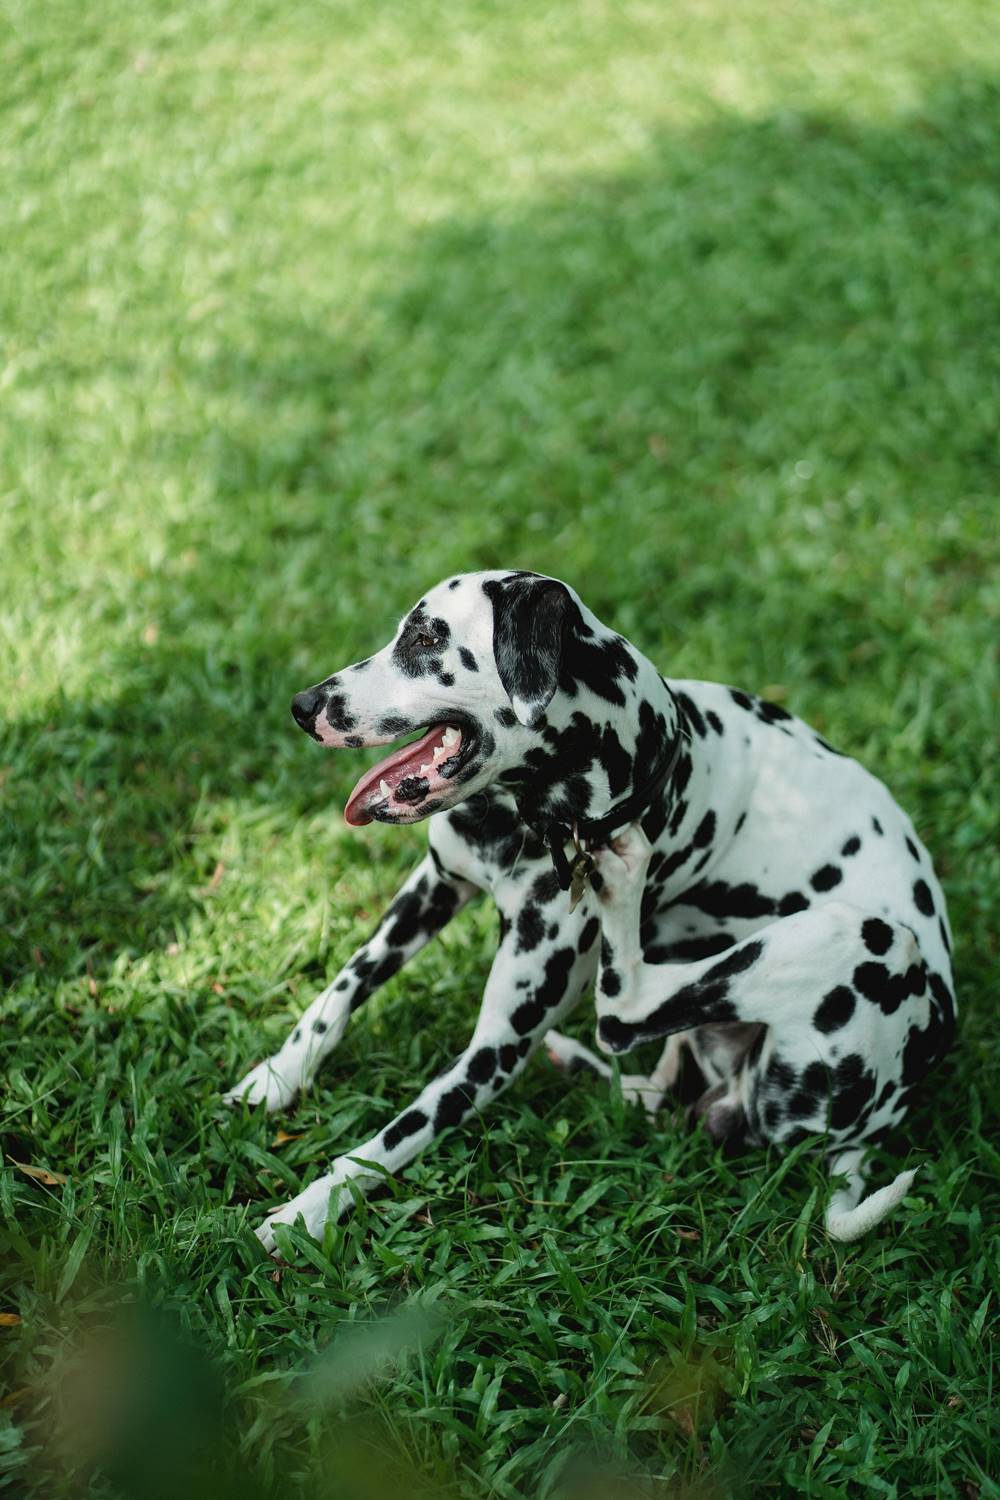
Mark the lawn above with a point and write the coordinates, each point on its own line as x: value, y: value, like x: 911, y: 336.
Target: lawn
x: 303, y: 308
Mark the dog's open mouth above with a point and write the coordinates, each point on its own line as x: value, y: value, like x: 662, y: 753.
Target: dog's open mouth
x: 401, y: 785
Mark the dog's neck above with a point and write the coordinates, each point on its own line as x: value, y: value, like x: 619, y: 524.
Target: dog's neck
x: 598, y: 754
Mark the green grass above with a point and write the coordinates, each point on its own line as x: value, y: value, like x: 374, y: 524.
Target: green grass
x: 302, y: 308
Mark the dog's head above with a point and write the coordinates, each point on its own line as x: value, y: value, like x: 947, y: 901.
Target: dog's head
x: 475, y: 665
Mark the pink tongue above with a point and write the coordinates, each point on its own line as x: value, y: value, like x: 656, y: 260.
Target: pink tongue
x: 394, y: 769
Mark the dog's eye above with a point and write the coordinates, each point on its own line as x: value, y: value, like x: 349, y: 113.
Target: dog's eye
x: 427, y: 640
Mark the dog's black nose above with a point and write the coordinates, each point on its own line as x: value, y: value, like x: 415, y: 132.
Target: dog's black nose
x: 305, y: 707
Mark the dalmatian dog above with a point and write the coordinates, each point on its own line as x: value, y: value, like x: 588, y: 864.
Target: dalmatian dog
x: 775, y: 915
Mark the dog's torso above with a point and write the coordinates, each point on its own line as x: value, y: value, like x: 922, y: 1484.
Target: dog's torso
x: 770, y: 821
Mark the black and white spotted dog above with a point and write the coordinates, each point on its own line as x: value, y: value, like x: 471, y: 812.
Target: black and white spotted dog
x: 776, y: 915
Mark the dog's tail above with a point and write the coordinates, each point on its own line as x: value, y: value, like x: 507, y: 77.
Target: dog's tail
x: 846, y: 1218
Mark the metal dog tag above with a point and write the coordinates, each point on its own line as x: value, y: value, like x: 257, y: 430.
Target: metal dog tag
x: 580, y: 872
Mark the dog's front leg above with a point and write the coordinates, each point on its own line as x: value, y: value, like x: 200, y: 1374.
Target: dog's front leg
x: 420, y: 909
x: 534, y: 982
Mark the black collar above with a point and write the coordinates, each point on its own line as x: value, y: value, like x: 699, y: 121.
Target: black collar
x: 592, y: 832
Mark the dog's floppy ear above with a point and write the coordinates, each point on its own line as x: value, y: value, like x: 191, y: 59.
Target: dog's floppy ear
x: 529, y: 620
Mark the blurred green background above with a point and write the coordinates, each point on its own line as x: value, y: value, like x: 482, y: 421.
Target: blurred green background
x: 302, y: 308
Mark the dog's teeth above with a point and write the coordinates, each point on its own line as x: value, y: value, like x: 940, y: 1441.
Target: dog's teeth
x: 438, y: 752
x: 450, y: 737
x: 385, y: 788
x: 428, y: 767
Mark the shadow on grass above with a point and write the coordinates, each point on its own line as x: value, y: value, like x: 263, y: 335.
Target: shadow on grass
x: 607, y: 384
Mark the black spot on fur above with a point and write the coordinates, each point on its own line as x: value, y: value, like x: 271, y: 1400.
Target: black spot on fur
x: 546, y: 887
x: 852, y: 846
x: 876, y: 935
x: 826, y: 877
x: 505, y: 716
x: 588, y: 935
x: 854, y: 1087
x: 495, y: 830
x: 406, y: 1125
x: 771, y: 713
x: 617, y: 1035
x: 319, y: 1027
x: 600, y: 664
x: 337, y: 714
x: 791, y: 903
x: 616, y: 761
x: 923, y: 898
x: 467, y: 659
x: 354, y: 741
x: 780, y: 1074
x: 529, y: 1015
x: 878, y: 827
x: 407, y: 914
x: 530, y: 928
x: 885, y: 989
x: 693, y: 714
x: 611, y: 982
x: 446, y: 679
x: 715, y: 721
x: 371, y: 973
x: 482, y: 1065
x: 835, y: 1010
x: 394, y: 724
x: 736, y: 963
x: 718, y: 899
x: 705, y: 832
x: 926, y: 1047
x: 742, y: 700
x: 688, y: 950
x: 452, y: 1106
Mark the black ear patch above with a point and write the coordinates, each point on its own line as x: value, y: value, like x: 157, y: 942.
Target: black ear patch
x: 529, y: 622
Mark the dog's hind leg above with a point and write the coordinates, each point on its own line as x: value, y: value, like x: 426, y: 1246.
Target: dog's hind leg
x: 636, y: 1088
x: 427, y: 901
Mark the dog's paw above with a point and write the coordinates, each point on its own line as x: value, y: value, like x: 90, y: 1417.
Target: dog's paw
x: 624, y: 859
x: 638, y: 1089
x: 322, y: 1202
x: 317, y: 1203
x: 265, y: 1085
x: 569, y: 1056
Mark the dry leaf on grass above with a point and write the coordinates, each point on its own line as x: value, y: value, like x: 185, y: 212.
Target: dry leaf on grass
x: 9, y: 1320
x: 39, y: 1174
